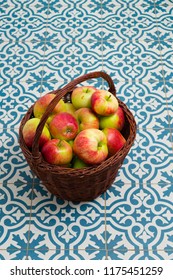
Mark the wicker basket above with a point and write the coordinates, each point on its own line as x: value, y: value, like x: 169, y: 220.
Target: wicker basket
x: 77, y: 184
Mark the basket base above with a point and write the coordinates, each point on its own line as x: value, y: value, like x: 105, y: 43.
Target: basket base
x: 75, y: 193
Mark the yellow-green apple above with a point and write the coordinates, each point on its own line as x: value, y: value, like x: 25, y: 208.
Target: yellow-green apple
x: 78, y: 163
x: 71, y: 143
x: 57, y: 151
x: 29, y: 130
x: 69, y: 108
x: 42, y: 103
x: 86, y: 119
x: 81, y: 96
x: 66, y: 107
x: 90, y: 145
x: 115, y: 140
x: 64, y: 126
x: 104, y: 103
x: 116, y: 120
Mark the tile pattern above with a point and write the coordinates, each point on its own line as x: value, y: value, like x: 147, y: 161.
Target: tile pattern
x: 43, y: 45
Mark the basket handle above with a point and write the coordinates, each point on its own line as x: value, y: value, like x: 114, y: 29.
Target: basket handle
x: 59, y: 94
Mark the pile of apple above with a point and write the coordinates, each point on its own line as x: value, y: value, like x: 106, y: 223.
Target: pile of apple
x: 79, y: 134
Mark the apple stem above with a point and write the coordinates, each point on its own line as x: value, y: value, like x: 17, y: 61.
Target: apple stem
x: 59, y: 143
x: 108, y: 97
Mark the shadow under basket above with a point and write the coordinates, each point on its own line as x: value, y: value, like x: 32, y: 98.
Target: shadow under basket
x: 77, y: 184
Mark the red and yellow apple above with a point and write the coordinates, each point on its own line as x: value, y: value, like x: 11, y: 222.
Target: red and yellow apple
x: 116, y: 120
x: 115, y: 140
x: 42, y: 103
x: 104, y: 103
x: 57, y: 152
x: 86, y: 119
x: 64, y: 126
x: 29, y: 130
x: 90, y: 145
x: 81, y: 96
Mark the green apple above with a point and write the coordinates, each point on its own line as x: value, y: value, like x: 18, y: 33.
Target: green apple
x: 81, y: 96
x: 78, y: 163
x: 116, y: 120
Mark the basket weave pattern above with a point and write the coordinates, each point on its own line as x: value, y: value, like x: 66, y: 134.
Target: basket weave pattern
x: 77, y: 184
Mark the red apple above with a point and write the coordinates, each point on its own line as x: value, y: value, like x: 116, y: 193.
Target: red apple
x: 81, y: 96
x: 115, y: 140
x: 90, y: 145
x: 64, y: 126
x: 57, y: 151
x: 42, y: 103
x: 29, y: 130
x: 116, y: 120
x: 86, y: 119
x: 104, y: 103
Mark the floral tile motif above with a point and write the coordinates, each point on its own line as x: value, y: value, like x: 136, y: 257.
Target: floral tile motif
x: 147, y: 101
x: 128, y: 20
x: 141, y: 218
x: 45, y: 44
x: 73, y: 19
x: 68, y: 225
x: 140, y: 255
x: 17, y: 59
x: 11, y: 157
x: 20, y: 20
x: 150, y: 159
x: 14, y: 216
x: 73, y: 60
x: 131, y: 59
x: 15, y: 101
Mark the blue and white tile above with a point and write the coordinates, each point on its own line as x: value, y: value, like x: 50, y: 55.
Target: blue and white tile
x: 66, y: 255
x: 15, y: 100
x: 11, y: 157
x: 128, y: 20
x: 14, y: 216
x: 18, y: 59
x: 131, y: 60
x: 67, y: 225
x: 170, y: 110
x: 146, y: 101
x: 72, y: 60
x: 76, y: 20
x: 142, y: 218
x: 149, y: 160
x: 23, y: 18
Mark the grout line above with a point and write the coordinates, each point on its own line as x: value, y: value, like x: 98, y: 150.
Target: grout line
x: 30, y: 217
x: 164, y: 78
x: 91, y: 250
x: 41, y: 83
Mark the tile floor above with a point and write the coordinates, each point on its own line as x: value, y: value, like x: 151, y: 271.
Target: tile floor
x: 45, y: 44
